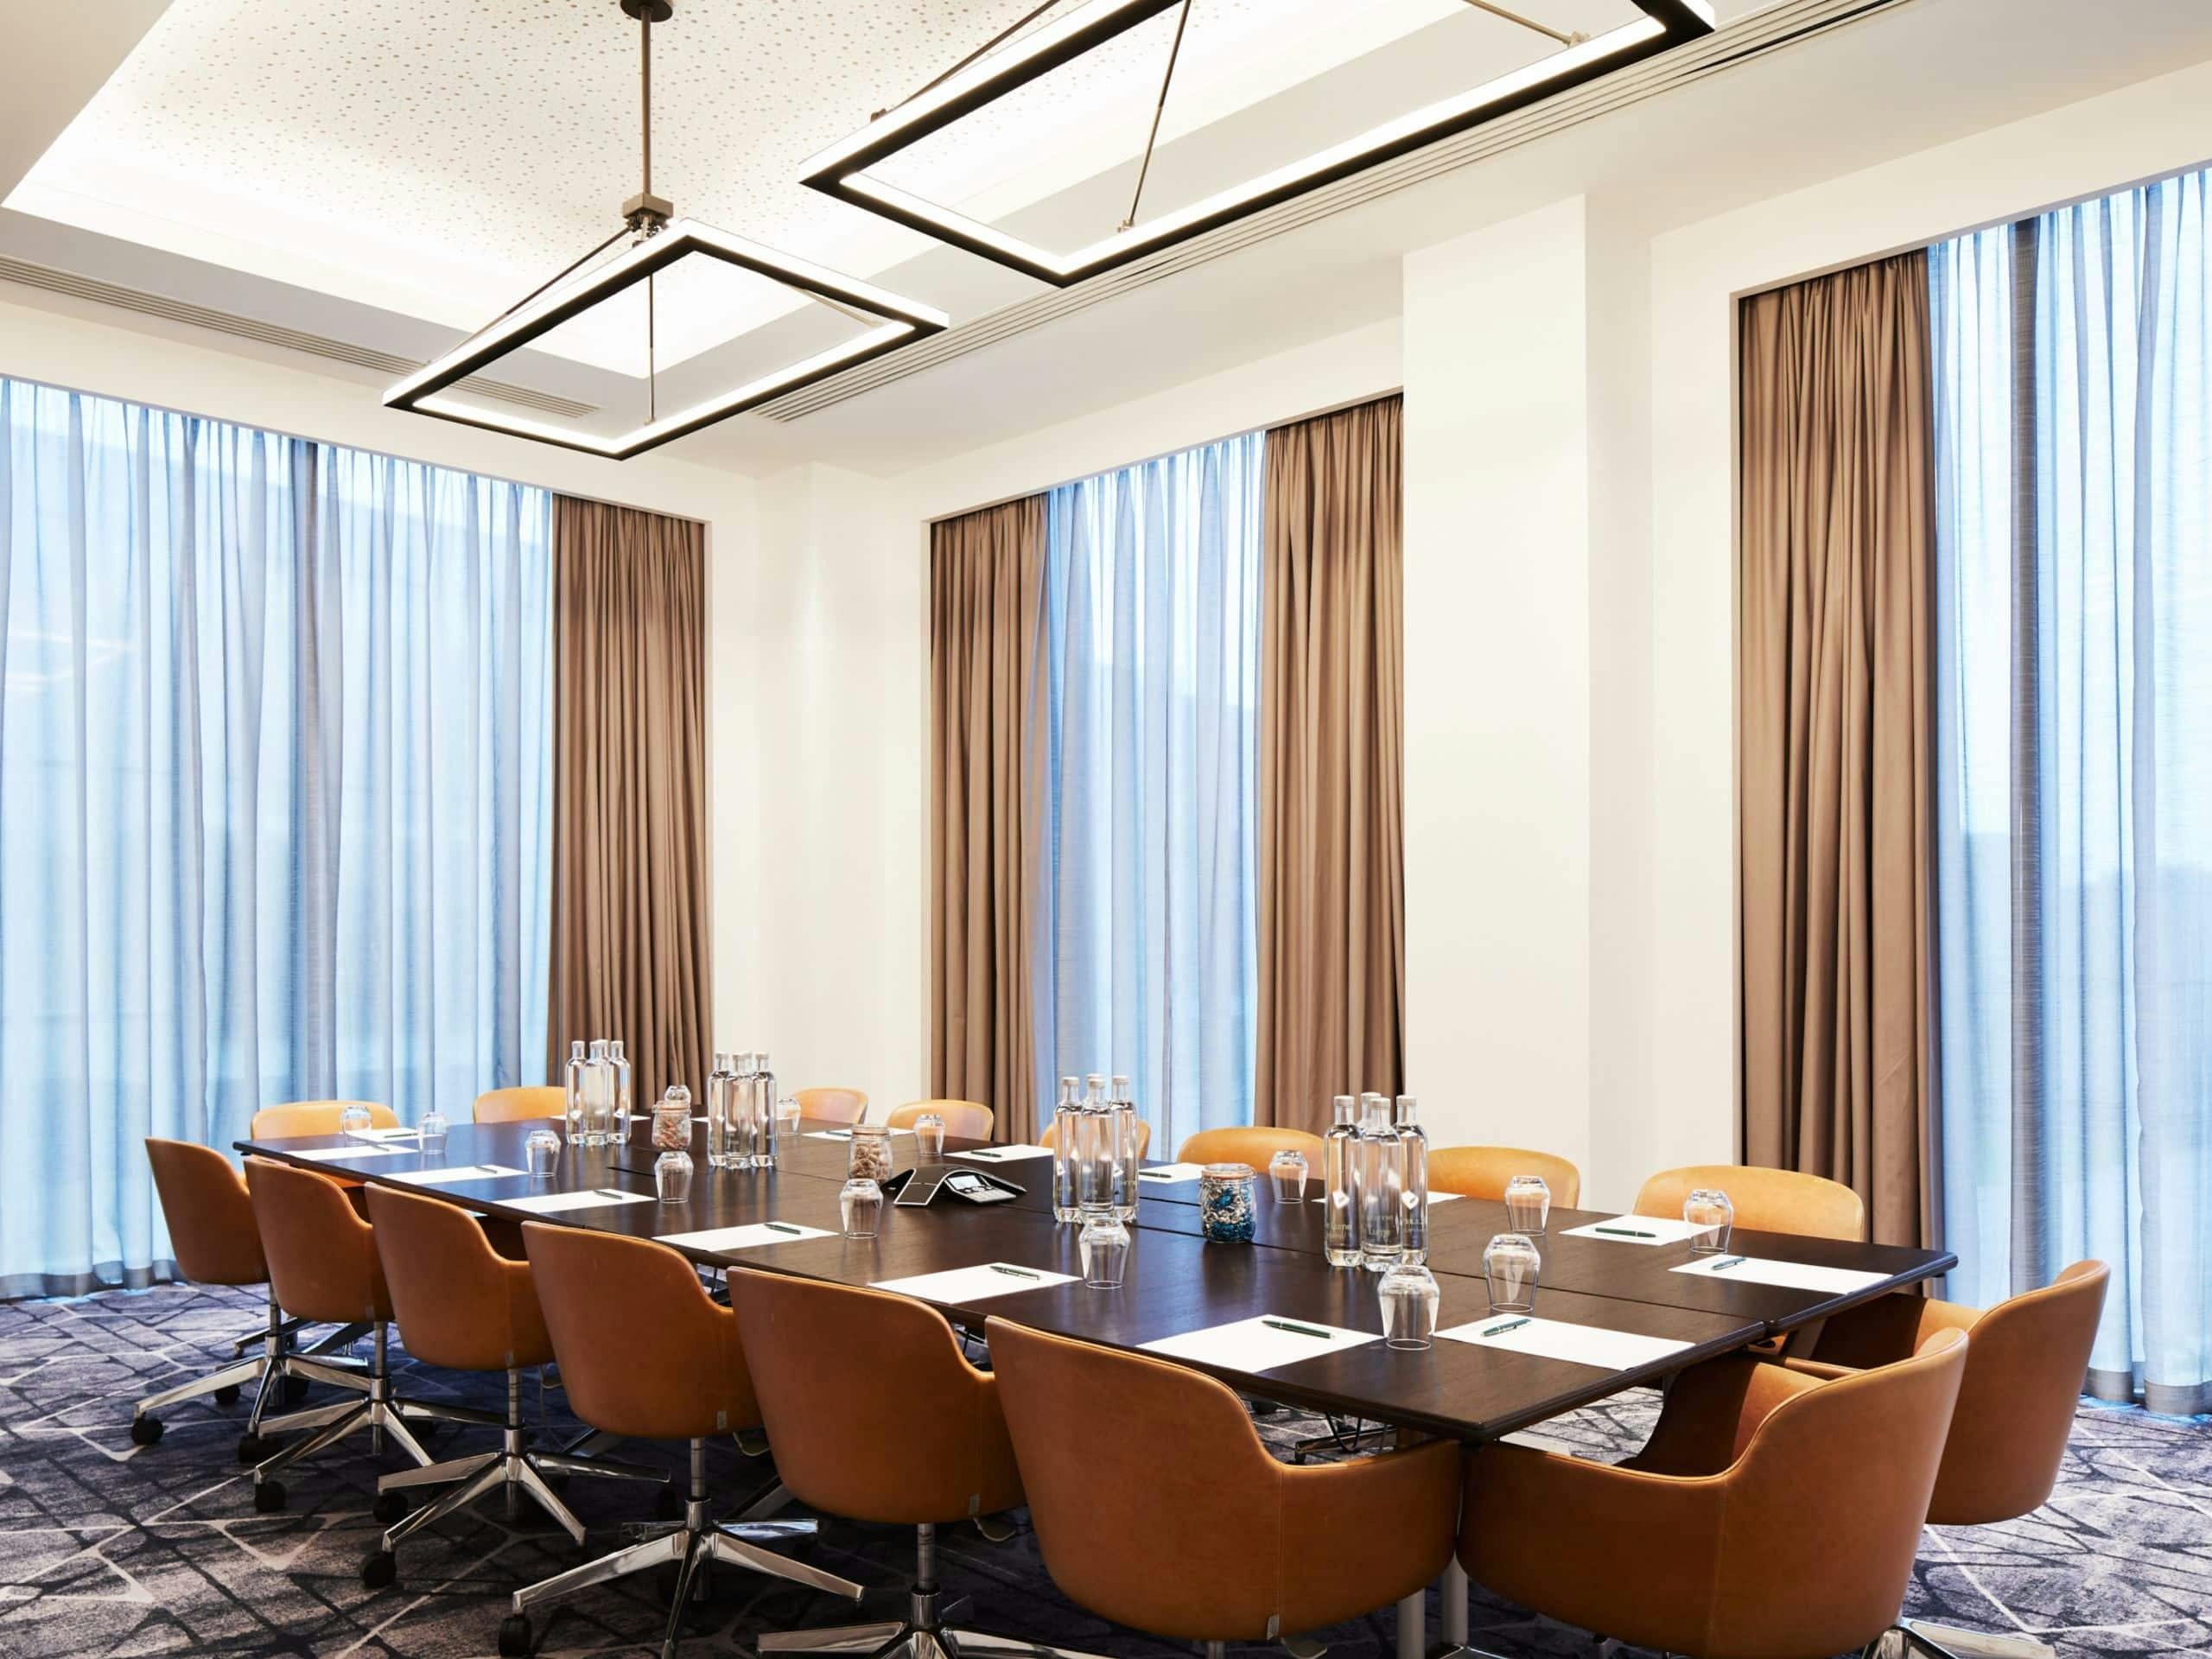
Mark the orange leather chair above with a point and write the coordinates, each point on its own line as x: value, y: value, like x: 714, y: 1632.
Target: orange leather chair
x: 521, y: 1105
x: 1483, y: 1171
x: 1778, y: 1519
x: 463, y: 1305
x: 1254, y: 1146
x: 832, y: 1105
x: 963, y: 1118
x: 1178, y: 1522
x: 826, y: 1356
x: 324, y: 1266
x: 1765, y: 1200
x: 1051, y: 1137
x: 647, y: 1354
x: 305, y: 1117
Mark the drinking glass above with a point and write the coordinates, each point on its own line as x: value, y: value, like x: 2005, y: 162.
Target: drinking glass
x: 1708, y: 1210
x: 929, y: 1138
x: 1287, y: 1169
x: 672, y: 1177
x: 434, y: 1127
x: 1511, y: 1264
x: 860, y: 1202
x: 1105, y: 1247
x: 786, y: 1119
x: 1528, y: 1204
x: 1409, y: 1298
x: 541, y: 1152
x: 352, y: 1118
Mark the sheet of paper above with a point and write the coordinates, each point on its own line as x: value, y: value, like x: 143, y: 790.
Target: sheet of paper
x: 462, y: 1173
x: 1579, y: 1344
x: 395, y: 1134
x: 1435, y: 1198
x: 841, y: 1134
x: 727, y: 1240
x: 963, y: 1285
x: 1167, y: 1174
x: 553, y: 1203
x: 1635, y: 1230
x: 1262, y: 1343
x: 1004, y: 1154
x: 1793, y: 1275
x: 347, y: 1155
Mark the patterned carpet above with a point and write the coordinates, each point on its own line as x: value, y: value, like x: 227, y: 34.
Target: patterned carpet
x: 109, y: 1549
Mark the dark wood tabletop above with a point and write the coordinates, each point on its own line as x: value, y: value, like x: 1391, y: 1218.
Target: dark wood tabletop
x: 1177, y: 1282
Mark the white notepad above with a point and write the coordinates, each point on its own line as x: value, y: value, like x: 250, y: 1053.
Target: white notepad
x: 1168, y: 1175
x: 553, y: 1203
x: 1579, y: 1344
x: 1793, y: 1275
x: 463, y: 1172
x: 1256, y: 1344
x: 395, y: 1134
x: 1636, y: 1229
x: 963, y: 1285
x: 347, y: 1155
x: 1435, y: 1198
x: 1004, y: 1154
x: 759, y: 1235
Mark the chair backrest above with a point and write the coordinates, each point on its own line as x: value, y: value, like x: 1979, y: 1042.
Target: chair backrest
x: 1051, y: 1137
x: 209, y: 1212
x: 832, y: 1105
x: 1253, y: 1145
x: 521, y: 1104
x: 644, y: 1352
x: 835, y: 1366
x: 460, y: 1303
x: 1765, y: 1200
x: 304, y: 1117
x: 2022, y: 1385
x: 322, y: 1256
x: 967, y: 1119
x: 1822, y: 1518
x: 1483, y: 1171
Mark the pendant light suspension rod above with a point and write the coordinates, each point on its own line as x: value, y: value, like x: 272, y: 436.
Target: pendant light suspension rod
x: 1528, y: 23
x: 984, y: 50
x: 1151, y: 137
x: 645, y: 95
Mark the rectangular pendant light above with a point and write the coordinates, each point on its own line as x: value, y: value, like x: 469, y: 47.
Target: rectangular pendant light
x: 841, y: 170
x: 894, y: 321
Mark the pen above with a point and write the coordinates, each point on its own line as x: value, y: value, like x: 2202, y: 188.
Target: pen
x: 1018, y: 1273
x: 1500, y: 1330
x: 488, y: 1169
x: 781, y: 1226
x: 1302, y: 1330
x: 1723, y: 1267
x: 1156, y: 1175
x: 610, y: 1193
x: 980, y: 1153
x: 1623, y: 1232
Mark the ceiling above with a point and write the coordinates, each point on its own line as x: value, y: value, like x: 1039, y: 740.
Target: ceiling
x: 392, y: 173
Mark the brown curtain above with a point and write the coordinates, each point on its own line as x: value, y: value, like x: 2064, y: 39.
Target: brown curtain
x: 986, y: 827
x: 1837, y: 710
x: 1331, y: 875
x: 629, y: 933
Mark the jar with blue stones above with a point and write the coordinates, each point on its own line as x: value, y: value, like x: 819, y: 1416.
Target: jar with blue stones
x: 1226, y: 1213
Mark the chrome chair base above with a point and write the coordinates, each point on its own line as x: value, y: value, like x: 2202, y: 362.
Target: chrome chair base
x: 269, y: 1371
x: 689, y: 1545
x: 1908, y: 1636
x: 322, y: 1427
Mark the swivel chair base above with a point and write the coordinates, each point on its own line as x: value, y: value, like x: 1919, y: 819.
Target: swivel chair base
x: 689, y: 1546
x: 922, y: 1634
x: 377, y: 1411
x: 1910, y: 1637
x: 514, y: 1469
x: 270, y: 1371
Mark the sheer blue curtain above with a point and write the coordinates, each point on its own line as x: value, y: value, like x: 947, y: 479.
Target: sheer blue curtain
x: 1151, y: 647
x: 274, y: 723
x: 2075, y: 610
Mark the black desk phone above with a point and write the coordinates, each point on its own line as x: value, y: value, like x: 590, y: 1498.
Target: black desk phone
x: 918, y: 1188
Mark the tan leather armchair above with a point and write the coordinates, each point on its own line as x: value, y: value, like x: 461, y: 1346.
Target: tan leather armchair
x: 832, y: 1105
x: 647, y: 1354
x: 1483, y: 1171
x: 1765, y: 1200
x: 323, y: 1267
x: 520, y: 1105
x: 1779, y: 1521
x: 305, y: 1117
x: 1253, y: 1145
x: 1176, y: 1520
x: 964, y: 1119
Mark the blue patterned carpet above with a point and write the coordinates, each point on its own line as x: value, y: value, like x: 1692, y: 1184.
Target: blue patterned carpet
x: 108, y: 1549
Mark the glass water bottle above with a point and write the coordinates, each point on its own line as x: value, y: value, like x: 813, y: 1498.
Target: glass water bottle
x: 1378, y: 1179
x: 1413, y: 1143
x: 1067, y: 1148
x: 722, y: 1113
x: 1339, y: 1225
x: 574, y: 1078
x: 760, y: 1092
x: 619, y: 1128
x: 1121, y: 1126
x: 598, y: 1093
x: 744, y: 1126
x: 1094, y: 1184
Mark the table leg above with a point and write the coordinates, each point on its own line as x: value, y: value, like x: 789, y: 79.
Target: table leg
x: 1413, y: 1626
x: 1452, y: 1591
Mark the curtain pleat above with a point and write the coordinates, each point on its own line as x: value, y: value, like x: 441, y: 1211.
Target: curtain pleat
x: 1835, y: 704
x: 1331, y: 850
x: 629, y: 944
x: 986, y: 730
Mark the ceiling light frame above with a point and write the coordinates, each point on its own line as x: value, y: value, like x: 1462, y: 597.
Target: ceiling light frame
x: 841, y: 170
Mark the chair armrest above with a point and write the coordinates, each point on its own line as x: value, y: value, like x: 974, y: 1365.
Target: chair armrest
x: 1712, y: 1412
x: 1888, y: 1329
x: 1359, y: 1535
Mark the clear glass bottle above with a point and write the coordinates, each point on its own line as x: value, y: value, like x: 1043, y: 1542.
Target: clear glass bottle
x: 1378, y: 1180
x: 761, y: 1094
x: 619, y: 1125
x: 1067, y: 1150
x: 598, y: 1093
x: 1413, y: 1197
x: 1121, y: 1126
x: 574, y: 1078
x: 1339, y: 1223
x: 722, y: 1113
x: 1094, y: 1184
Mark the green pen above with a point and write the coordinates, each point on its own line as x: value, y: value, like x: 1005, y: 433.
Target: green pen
x: 1016, y: 1273
x: 782, y: 1226
x: 980, y: 1153
x: 1623, y: 1232
x: 1510, y: 1324
x: 1733, y: 1261
x: 1302, y: 1330
x: 1156, y: 1175
x: 610, y: 1193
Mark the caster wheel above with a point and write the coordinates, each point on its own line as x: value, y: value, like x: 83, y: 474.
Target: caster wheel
x: 268, y: 1496
x: 296, y: 1390
x: 389, y: 1507
x: 227, y: 1395
x: 514, y: 1636
x: 145, y: 1431
x: 252, y: 1448
x: 378, y: 1568
x: 666, y: 1505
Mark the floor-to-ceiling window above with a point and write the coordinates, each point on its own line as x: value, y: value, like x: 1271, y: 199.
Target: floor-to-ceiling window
x: 2074, y: 468
x: 273, y: 800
